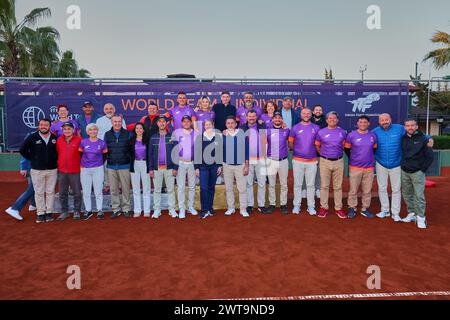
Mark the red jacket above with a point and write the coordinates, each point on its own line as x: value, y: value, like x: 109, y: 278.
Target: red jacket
x: 68, y: 155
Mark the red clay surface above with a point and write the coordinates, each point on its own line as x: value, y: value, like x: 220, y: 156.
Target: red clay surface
x: 223, y: 257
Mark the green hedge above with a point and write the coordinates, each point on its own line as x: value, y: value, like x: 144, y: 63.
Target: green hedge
x: 441, y: 142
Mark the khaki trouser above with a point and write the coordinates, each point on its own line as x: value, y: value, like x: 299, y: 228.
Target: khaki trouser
x: 186, y: 169
x: 281, y: 168
x: 304, y: 171
x: 44, y: 183
x: 119, y: 179
x: 331, y: 171
x: 160, y: 176
x: 230, y: 173
x: 413, y: 190
x: 365, y: 179
x: 256, y: 168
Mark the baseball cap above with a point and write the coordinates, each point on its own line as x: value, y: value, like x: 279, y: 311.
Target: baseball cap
x: 277, y: 113
x: 186, y: 117
x: 161, y: 116
x: 85, y: 103
x: 70, y: 124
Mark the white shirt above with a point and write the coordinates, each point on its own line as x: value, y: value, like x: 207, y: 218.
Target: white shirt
x: 104, y: 124
x: 46, y: 140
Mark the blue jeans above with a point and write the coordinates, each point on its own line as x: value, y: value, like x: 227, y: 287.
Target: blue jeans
x: 25, y: 197
x: 208, y: 177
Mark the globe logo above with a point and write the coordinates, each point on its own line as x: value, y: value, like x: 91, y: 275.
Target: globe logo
x: 31, y: 116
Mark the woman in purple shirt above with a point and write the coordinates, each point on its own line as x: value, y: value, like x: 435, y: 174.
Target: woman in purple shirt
x: 92, y: 172
x: 139, y: 171
x: 269, y: 109
x: 203, y: 112
x: 63, y: 116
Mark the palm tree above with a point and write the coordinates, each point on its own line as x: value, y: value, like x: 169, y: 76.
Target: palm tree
x: 441, y: 56
x: 68, y: 67
x: 16, y: 39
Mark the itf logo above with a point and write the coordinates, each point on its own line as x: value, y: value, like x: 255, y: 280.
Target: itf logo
x: 361, y: 104
x: 31, y: 116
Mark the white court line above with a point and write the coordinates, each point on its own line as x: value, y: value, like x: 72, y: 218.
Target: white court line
x: 354, y: 296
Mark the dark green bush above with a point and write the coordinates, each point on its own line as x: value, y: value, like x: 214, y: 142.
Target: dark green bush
x: 441, y: 142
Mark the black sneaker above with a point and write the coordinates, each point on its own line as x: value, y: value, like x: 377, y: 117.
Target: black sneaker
x: 204, y: 214
x: 249, y: 210
x: 212, y: 212
x: 40, y: 218
x: 262, y: 209
x: 270, y: 209
x: 284, y: 210
x: 127, y: 214
x: 49, y: 217
x: 63, y: 216
x: 87, y: 215
x: 100, y: 215
x: 115, y: 214
x: 76, y: 216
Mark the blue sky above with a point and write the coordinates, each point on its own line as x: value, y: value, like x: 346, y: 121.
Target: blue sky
x: 251, y: 38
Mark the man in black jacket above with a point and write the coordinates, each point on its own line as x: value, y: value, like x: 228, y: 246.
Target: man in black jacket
x: 416, y: 159
x: 318, y: 116
x: 40, y: 149
x: 223, y: 110
x: 118, y: 167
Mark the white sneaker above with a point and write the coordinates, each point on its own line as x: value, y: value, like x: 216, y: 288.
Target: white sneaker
x: 173, y: 213
x: 14, y: 213
x: 304, y: 194
x: 156, y: 214
x: 410, y: 217
x: 318, y: 193
x: 182, y: 214
x: 244, y: 214
x: 383, y: 214
x: 296, y: 210
x: 219, y: 180
x: 312, y: 211
x: 32, y: 208
x: 146, y: 214
x: 396, y: 217
x: 192, y: 211
x: 136, y: 215
x: 229, y: 212
x: 421, y: 223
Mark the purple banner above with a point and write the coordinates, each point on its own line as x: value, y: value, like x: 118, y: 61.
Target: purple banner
x: 28, y: 102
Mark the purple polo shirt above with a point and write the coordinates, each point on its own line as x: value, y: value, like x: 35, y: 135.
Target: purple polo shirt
x: 140, y: 151
x: 205, y: 115
x: 362, y: 150
x: 92, y: 153
x: 277, y: 143
x: 185, y: 144
x: 241, y: 114
x: 331, y: 142
x: 162, y: 151
x: 304, y: 138
x: 254, y: 142
x: 56, y: 127
x: 177, y: 113
x: 266, y: 119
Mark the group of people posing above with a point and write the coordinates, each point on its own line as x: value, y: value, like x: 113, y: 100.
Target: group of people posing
x: 239, y: 145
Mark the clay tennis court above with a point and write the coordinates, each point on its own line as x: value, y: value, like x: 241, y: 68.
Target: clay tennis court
x: 223, y: 257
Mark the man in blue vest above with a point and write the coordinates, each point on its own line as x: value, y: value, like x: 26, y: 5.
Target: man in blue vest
x: 88, y: 116
x: 388, y: 158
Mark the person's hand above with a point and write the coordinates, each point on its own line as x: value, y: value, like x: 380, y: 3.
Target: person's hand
x: 284, y: 125
x: 430, y: 143
x: 246, y: 170
x: 260, y: 121
x: 152, y: 174
x: 174, y: 173
x: 197, y: 172
x: 225, y: 133
x: 23, y: 173
x: 219, y: 171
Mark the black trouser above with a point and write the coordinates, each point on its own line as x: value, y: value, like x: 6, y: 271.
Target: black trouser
x: 64, y: 181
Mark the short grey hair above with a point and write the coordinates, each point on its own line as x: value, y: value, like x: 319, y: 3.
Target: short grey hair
x: 332, y: 113
x: 90, y: 126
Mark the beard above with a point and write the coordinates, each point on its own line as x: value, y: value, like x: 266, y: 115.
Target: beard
x: 44, y: 131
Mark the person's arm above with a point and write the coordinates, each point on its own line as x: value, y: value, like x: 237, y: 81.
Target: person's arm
x: 429, y: 158
x: 317, y: 143
x: 25, y: 148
